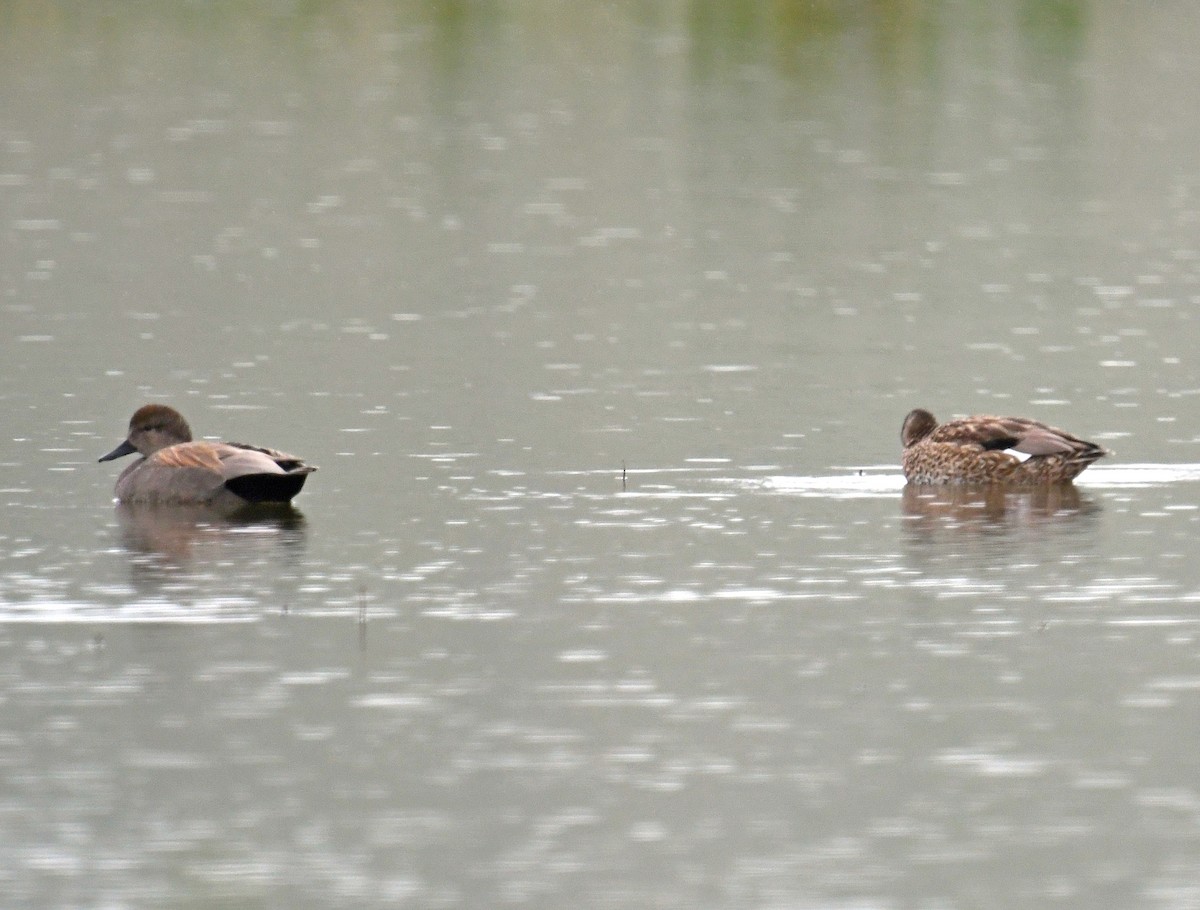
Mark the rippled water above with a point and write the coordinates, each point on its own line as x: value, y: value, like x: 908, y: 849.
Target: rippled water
x: 600, y: 323
x: 702, y: 688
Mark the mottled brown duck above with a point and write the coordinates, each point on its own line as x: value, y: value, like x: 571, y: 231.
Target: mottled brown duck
x: 979, y: 450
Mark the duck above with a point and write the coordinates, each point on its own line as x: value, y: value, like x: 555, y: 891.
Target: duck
x: 174, y: 468
x: 976, y: 450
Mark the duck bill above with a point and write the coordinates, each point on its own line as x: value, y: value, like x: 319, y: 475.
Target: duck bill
x: 125, y: 448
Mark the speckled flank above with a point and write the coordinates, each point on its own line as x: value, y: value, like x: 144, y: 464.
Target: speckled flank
x: 973, y: 451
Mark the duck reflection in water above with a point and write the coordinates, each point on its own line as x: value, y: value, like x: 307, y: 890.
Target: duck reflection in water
x: 185, y: 535
x: 932, y: 507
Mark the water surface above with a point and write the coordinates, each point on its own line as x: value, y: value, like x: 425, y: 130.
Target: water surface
x: 600, y: 323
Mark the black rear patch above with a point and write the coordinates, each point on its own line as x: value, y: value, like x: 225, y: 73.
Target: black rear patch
x: 266, y: 487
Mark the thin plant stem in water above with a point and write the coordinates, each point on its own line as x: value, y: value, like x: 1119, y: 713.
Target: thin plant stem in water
x: 362, y: 617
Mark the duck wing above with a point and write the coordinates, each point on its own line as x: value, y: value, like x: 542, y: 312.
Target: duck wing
x: 1020, y: 433
x: 287, y: 463
x: 985, y: 432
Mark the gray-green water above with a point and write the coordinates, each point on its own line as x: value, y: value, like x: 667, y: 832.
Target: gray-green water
x: 477, y: 260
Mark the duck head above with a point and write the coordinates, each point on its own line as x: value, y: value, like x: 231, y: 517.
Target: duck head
x: 152, y: 427
x: 917, y: 425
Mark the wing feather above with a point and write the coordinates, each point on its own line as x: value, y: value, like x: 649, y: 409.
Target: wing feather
x: 1020, y: 433
x: 203, y: 455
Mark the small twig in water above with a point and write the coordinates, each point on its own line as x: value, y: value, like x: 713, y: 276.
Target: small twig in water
x: 362, y: 617
x: 623, y: 488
